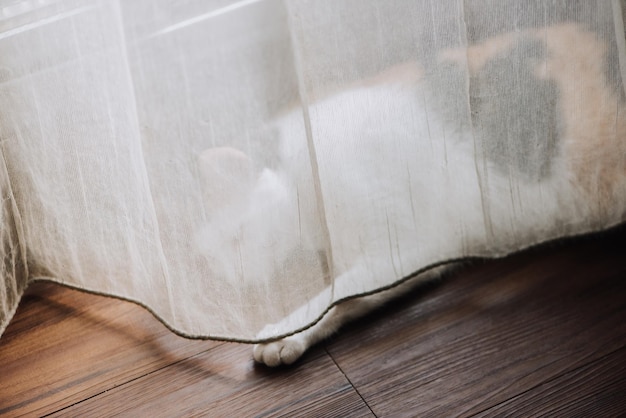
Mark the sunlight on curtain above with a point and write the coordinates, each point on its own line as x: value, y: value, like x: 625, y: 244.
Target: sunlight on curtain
x: 226, y: 162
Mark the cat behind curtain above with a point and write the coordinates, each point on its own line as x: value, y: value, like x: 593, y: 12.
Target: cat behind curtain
x: 586, y: 154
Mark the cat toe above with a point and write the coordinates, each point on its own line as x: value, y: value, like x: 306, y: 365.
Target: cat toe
x: 281, y: 352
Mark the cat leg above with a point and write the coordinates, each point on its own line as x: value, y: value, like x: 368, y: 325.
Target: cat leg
x: 287, y: 350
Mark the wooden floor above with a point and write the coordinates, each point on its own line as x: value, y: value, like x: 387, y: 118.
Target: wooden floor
x: 538, y: 333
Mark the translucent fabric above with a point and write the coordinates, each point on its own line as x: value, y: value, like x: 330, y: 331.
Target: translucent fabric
x: 225, y: 162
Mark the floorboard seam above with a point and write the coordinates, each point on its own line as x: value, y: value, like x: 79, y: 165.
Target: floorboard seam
x: 558, y: 375
x: 127, y: 382
x: 350, y: 382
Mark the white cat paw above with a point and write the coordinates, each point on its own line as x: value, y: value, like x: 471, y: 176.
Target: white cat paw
x: 281, y: 352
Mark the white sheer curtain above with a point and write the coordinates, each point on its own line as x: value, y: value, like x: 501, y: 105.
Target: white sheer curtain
x: 225, y: 162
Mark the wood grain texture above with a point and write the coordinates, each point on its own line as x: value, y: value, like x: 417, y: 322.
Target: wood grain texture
x: 224, y: 382
x: 538, y: 333
x: 597, y: 389
x: 64, y: 346
x: 491, y: 331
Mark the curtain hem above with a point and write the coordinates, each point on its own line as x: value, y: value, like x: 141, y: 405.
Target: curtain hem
x: 450, y: 262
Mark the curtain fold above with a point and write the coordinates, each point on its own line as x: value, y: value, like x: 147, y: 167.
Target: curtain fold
x: 225, y: 163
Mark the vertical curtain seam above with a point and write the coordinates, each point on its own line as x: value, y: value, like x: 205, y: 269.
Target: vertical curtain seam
x: 479, y: 177
x: 144, y: 170
x: 619, y: 15
x: 16, y: 217
x: 304, y: 99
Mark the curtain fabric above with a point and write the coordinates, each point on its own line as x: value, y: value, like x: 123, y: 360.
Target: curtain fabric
x: 224, y: 163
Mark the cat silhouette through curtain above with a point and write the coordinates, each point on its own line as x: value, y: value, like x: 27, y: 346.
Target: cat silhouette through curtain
x: 225, y: 163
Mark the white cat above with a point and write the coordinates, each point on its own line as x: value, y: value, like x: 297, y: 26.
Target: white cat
x: 381, y: 147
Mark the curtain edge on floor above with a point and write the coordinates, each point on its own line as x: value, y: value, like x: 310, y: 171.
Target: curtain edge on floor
x: 448, y: 262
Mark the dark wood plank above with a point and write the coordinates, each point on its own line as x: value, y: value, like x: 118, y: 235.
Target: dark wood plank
x: 597, y: 389
x: 64, y: 346
x: 491, y: 331
x: 545, y: 327
x: 224, y: 382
